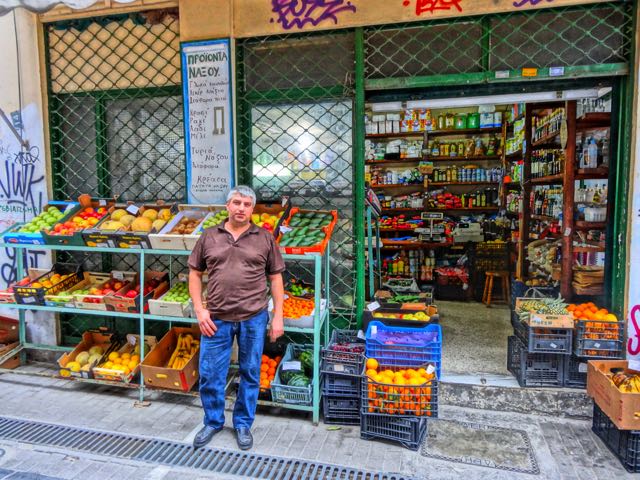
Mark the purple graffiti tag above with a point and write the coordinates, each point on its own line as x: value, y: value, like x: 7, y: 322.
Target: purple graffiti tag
x: 298, y: 13
x: 433, y: 5
x: 533, y: 3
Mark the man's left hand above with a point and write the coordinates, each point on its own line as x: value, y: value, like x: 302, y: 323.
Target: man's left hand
x: 277, y: 328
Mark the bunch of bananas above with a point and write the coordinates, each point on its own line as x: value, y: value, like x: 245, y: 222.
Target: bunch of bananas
x: 186, y: 348
x: 626, y: 382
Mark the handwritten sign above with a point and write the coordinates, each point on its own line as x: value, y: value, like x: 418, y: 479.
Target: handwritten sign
x: 206, y: 75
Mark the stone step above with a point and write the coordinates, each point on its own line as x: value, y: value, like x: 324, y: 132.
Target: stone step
x: 502, y: 393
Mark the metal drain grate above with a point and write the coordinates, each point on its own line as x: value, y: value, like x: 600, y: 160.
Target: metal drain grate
x: 175, y: 454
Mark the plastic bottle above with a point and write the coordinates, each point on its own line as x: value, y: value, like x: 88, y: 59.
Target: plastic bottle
x: 593, y: 153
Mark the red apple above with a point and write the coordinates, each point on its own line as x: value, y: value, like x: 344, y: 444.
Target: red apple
x: 131, y: 294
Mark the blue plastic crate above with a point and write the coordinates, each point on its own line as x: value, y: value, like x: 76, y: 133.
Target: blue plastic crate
x: 405, y: 347
x: 283, y: 393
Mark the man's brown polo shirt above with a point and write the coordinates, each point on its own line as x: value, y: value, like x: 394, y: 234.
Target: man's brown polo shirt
x: 237, y: 269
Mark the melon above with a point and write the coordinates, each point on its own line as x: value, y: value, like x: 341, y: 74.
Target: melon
x: 82, y: 358
x: 165, y: 214
x: 96, y: 350
x: 142, y: 224
x: 150, y: 214
x: 95, y: 358
x: 112, y: 225
x: 118, y: 214
x: 127, y: 220
x: 158, y: 224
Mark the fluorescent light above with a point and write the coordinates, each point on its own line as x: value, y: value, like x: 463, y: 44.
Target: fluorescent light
x: 503, y: 99
x: 386, y: 107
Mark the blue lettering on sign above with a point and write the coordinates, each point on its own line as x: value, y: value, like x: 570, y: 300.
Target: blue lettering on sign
x: 298, y: 13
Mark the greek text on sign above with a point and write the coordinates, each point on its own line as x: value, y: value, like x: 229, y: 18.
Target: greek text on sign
x: 208, y: 123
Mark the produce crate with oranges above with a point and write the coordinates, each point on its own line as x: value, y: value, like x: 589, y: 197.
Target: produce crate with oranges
x: 123, y: 365
x: 399, y: 391
x: 7, y: 296
x: 599, y: 334
x: 61, y: 277
x: 299, y: 312
x: 268, y: 367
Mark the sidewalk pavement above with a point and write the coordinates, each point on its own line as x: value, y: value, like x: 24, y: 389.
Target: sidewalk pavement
x: 563, y: 448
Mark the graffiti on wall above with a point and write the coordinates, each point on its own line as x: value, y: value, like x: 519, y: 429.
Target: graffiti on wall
x: 531, y: 3
x: 23, y: 190
x: 300, y: 13
x: 430, y: 6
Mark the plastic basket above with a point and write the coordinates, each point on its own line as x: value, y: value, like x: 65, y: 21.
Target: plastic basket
x: 412, y: 347
x: 341, y: 384
x: 534, y: 369
x: 625, y: 444
x: 407, y: 431
x: 30, y: 295
x: 597, y: 339
x: 545, y: 340
x: 286, y: 393
x: 336, y: 361
x: 401, y: 400
x: 575, y: 372
x: 341, y: 410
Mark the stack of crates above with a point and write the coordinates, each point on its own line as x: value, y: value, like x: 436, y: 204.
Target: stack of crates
x: 393, y: 410
x: 537, y: 355
x: 342, y: 363
x: 593, y: 339
x: 625, y: 444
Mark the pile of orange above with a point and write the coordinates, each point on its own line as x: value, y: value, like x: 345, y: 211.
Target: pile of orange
x: 268, y: 371
x: 297, y: 307
x: 394, y: 390
x: 590, y: 311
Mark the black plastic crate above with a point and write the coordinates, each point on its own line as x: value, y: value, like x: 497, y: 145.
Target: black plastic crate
x: 598, y: 339
x: 339, y: 384
x: 341, y: 410
x: 543, y: 339
x: 625, y: 444
x: 337, y: 361
x: 575, y: 372
x: 407, y: 431
x: 534, y: 369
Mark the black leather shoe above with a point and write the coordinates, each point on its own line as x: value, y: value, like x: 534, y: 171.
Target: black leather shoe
x: 204, y: 436
x: 244, y: 438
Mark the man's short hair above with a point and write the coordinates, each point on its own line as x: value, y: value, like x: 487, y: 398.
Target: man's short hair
x: 243, y: 191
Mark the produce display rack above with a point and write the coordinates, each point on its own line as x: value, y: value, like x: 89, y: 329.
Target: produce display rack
x: 321, y: 265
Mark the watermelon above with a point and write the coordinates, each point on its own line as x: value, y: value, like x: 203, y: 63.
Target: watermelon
x: 299, y: 380
x: 306, y: 359
x: 286, y: 375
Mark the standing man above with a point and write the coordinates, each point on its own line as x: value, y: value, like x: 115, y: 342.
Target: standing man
x: 238, y: 257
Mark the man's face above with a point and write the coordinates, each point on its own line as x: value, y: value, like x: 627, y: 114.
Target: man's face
x: 240, y: 209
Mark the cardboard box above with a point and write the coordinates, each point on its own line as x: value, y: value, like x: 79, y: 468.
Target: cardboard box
x: 622, y: 408
x: 154, y: 366
x: 9, y: 330
x: 542, y: 320
x: 13, y: 361
x: 133, y: 341
x: 133, y: 305
x: 89, y: 339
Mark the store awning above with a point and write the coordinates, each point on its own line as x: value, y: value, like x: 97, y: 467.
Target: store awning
x: 40, y: 6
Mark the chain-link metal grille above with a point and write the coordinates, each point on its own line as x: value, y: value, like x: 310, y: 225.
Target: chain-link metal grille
x: 295, y: 120
x: 116, y: 115
x: 570, y: 37
x: 115, y: 106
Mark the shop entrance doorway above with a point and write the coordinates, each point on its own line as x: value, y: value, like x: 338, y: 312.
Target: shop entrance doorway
x: 489, y: 196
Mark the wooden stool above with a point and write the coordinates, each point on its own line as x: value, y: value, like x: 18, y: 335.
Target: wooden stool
x: 488, y: 287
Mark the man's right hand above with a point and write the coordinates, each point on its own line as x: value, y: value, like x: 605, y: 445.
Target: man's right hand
x: 207, y: 327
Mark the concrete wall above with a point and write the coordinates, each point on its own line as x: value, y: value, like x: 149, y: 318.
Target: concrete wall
x: 23, y: 178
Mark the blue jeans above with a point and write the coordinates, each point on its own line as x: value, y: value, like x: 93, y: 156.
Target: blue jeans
x: 215, y: 355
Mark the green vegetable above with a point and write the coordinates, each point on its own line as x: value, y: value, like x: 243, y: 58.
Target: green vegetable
x: 299, y: 380
x: 306, y: 359
x: 287, y: 375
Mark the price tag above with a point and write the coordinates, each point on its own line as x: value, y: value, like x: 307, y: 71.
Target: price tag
x: 338, y: 368
x: 28, y: 299
x: 118, y: 275
x: 553, y: 345
x: 292, y: 365
x: 567, y: 231
x: 132, y: 339
x: 431, y: 369
x: 133, y: 210
x: 556, y: 71
x: 596, y: 345
x: 529, y: 72
x: 373, y: 306
x: 361, y: 335
x: 582, y: 367
x: 503, y: 74
x: 102, y: 203
x: 284, y: 229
